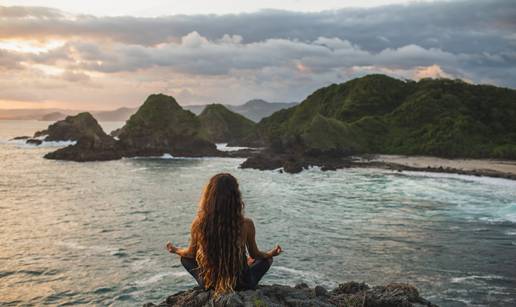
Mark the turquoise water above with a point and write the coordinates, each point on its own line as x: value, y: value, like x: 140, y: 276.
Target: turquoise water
x: 94, y: 233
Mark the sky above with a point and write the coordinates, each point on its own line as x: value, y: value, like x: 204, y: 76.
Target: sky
x: 99, y: 55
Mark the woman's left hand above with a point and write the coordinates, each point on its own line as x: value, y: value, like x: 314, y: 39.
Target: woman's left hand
x: 171, y: 248
x: 276, y: 251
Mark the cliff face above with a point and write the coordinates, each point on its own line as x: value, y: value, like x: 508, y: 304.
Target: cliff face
x: 348, y: 294
x: 220, y: 125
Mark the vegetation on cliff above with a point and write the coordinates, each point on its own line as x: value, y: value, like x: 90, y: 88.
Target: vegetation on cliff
x: 161, y: 126
x: 220, y: 125
x: 380, y: 114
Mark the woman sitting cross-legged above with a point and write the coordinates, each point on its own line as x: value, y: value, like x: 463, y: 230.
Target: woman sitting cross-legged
x: 220, y: 235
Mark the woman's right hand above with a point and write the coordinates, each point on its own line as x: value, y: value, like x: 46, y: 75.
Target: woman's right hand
x: 171, y: 248
x: 276, y: 251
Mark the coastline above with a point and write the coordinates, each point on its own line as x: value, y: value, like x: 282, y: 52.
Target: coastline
x: 292, y: 163
x: 474, y: 167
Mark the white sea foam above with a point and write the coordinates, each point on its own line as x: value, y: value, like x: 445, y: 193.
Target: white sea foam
x: 474, y: 277
x: 225, y: 147
x: 167, y: 156
x: 23, y: 143
x: 480, y: 179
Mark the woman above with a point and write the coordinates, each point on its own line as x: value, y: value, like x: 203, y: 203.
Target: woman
x: 220, y: 235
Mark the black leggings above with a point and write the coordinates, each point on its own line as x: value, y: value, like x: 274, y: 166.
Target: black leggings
x: 248, y: 279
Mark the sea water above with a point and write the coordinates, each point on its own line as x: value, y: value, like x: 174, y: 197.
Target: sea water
x: 95, y: 233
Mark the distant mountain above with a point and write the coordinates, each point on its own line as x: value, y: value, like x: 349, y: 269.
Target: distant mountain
x: 118, y: 115
x: 51, y: 117
x: 254, y: 110
x: 220, y: 125
x: 31, y: 114
x: 257, y: 109
x: 382, y: 115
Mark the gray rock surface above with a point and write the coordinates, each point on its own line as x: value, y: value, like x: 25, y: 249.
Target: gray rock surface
x: 348, y: 294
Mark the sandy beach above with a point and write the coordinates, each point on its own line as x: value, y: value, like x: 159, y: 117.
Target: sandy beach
x: 483, y: 167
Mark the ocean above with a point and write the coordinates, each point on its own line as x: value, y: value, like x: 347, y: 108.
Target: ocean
x: 94, y: 233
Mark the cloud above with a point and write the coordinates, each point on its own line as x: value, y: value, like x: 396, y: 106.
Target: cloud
x: 278, y: 55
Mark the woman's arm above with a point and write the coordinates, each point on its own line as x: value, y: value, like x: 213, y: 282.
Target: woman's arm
x: 188, y: 252
x: 254, y: 252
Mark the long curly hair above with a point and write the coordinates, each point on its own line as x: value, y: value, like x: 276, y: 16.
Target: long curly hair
x: 218, y: 232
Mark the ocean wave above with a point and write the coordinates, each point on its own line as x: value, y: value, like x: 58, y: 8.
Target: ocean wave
x: 470, y: 178
x: 157, y: 277
x: 505, y: 213
x: 166, y: 156
x: 463, y: 279
x: 23, y: 143
x: 225, y: 147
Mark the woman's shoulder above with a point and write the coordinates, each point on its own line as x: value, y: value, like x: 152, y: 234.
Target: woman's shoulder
x: 248, y: 221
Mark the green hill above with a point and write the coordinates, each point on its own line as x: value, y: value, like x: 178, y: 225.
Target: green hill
x: 161, y: 126
x: 220, y: 125
x: 380, y: 114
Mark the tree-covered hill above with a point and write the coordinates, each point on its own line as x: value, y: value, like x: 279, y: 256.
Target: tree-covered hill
x: 220, y: 125
x: 380, y: 114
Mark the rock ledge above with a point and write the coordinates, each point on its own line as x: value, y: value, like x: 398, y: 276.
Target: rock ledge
x: 347, y: 294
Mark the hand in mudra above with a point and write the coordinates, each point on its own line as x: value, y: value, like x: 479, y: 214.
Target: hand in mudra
x: 276, y: 251
x: 171, y: 248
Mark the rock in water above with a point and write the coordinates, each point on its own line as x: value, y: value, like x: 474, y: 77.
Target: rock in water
x: 348, y: 294
x: 161, y: 126
x: 93, y: 144
x: 20, y: 138
x: 34, y: 141
x: 72, y: 128
x: 89, y: 148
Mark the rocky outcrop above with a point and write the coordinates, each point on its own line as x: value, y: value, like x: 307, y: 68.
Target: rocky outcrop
x: 161, y: 126
x: 72, y: 128
x: 348, y: 294
x: 89, y: 149
x: 92, y: 145
x: 19, y: 138
x: 34, y: 141
x: 296, y: 162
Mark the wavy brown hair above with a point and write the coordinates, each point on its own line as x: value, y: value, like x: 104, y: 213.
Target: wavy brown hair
x: 218, y: 232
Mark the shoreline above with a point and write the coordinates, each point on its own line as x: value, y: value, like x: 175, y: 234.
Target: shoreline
x: 472, y: 167
x: 290, y: 163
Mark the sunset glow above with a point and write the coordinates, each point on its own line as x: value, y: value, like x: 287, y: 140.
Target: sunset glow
x: 72, y: 55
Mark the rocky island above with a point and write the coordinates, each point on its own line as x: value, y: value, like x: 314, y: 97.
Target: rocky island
x: 339, y: 126
x: 160, y: 126
x: 347, y: 294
